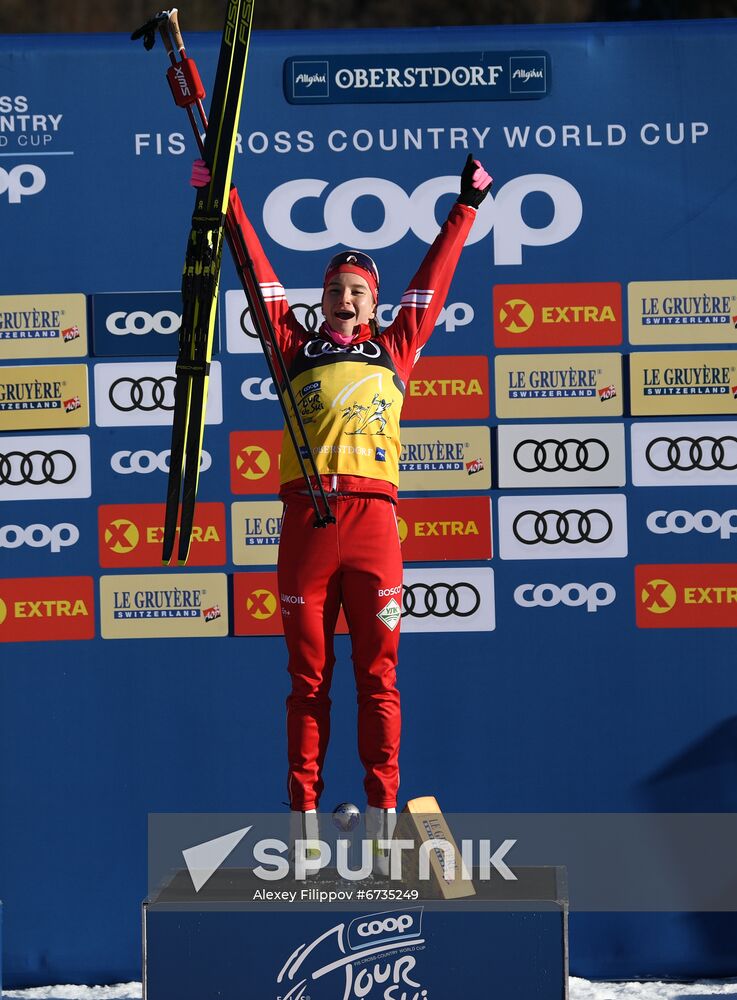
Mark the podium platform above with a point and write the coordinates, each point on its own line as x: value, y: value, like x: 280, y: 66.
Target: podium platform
x: 234, y: 941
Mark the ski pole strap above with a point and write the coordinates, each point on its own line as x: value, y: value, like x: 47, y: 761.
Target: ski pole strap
x: 185, y: 83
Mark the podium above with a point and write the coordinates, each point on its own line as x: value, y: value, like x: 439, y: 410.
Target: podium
x: 242, y: 938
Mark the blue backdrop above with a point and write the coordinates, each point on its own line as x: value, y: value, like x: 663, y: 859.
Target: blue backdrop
x: 557, y: 708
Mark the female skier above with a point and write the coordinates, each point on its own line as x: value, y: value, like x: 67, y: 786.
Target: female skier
x: 349, y: 379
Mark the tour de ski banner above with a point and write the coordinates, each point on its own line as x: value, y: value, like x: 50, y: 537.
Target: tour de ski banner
x: 569, y: 459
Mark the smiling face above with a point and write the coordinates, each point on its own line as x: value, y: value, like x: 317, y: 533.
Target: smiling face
x: 347, y: 302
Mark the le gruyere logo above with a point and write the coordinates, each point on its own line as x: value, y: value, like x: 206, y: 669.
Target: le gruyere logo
x: 558, y: 315
x: 684, y: 382
x: 166, y: 604
x: 682, y: 312
x: 256, y: 528
x: 42, y: 396
x: 38, y: 326
x: 541, y: 385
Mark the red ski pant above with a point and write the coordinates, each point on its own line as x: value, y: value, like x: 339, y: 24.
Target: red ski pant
x: 356, y: 562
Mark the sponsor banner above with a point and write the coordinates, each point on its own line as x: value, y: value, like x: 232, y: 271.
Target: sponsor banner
x: 255, y: 529
x: 48, y: 609
x: 144, y: 461
x: 44, y: 396
x: 432, y: 529
x: 448, y: 388
x: 126, y: 324
x: 254, y: 461
x: 142, y: 395
x: 445, y: 458
x: 683, y: 522
x: 416, y: 77
x: 686, y: 596
x: 164, y: 605
x: 683, y: 382
x: 563, y: 526
x: 448, y: 599
x: 241, y: 336
x: 45, y: 467
x: 558, y: 385
x: 132, y: 535
x: 570, y: 595
x: 53, y: 537
x: 684, y: 453
x: 682, y: 312
x: 579, y: 314
x: 256, y: 605
x: 43, y: 326
x: 561, y: 455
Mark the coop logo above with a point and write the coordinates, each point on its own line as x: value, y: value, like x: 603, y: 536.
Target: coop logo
x: 572, y: 595
x: 144, y: 462
x: 133, y: 534
x: 39, y: 536
x: 21, y: 181
x: 139, y: 323
x: 558, y: 315
x: 416, y: 212
x: 683, y: 522
x: 258, y: 389
x: 43, y: 610
x: 383, y: 928
x: 687, y: 596
x: 134, y: 323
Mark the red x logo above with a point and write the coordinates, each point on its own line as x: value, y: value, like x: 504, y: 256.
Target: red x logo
x: 261, y: 604
x: 253, y: 462
x: 121, y: 535
x: 658, y: 596
x: 516, y: 316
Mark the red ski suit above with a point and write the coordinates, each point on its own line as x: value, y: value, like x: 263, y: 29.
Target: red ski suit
x: 350, y: 399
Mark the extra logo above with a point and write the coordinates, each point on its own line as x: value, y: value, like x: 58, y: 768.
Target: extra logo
x: 39, y: 536
x: 132, y: 535
x: 396, y: 212
x: 583, y: 314
x: 571, y: 595
x: 679, y: 453
x: 43, y: 326
x: 682, y: 312
x: 568, y: 385
x: 48, y: 609
x: 681, y: 382
x: 452, y: 528
x: 140, y: 395
x: 165, y: 605
x: 686, y: 596
x: 21, y: 181
x: 135, y: 323
x: 587, y: 526
x: 305, y: 303
x: 459, y: 384
x: 43, y: 396
x: 254, y: 461
x: 45, y: 467
x: 564, y: 455
x: 144, y: 462
x: 445, y: 599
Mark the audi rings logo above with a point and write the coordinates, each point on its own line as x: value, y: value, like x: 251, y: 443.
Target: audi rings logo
x: 440, y: 600
x: 685, y: 454
x: 316, y: 348
x: 569, y: 455
x: 310, y: 316
x: 34, y: 468
x: 554, y: 526
x: 146, y: 393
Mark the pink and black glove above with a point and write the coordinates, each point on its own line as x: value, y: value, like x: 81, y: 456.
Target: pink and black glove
x: 475, y: 183
x: 200, y: 174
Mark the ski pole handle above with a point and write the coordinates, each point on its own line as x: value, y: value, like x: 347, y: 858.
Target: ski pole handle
x: 174, y: 24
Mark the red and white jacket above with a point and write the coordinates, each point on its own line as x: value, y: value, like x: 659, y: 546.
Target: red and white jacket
x: 350, y: 398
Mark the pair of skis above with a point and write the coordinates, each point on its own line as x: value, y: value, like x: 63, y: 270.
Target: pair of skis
x: 202, y: 264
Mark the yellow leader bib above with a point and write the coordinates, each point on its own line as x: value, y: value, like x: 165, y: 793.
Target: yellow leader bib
x: 350, y: 399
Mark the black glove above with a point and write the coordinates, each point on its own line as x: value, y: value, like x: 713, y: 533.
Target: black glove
x: 471, y: 195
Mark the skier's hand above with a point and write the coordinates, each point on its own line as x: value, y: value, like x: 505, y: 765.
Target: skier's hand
x: 475, y: 183
x: 200, y: 174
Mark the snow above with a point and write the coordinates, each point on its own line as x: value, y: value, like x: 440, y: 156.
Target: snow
x: 580, y: 989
